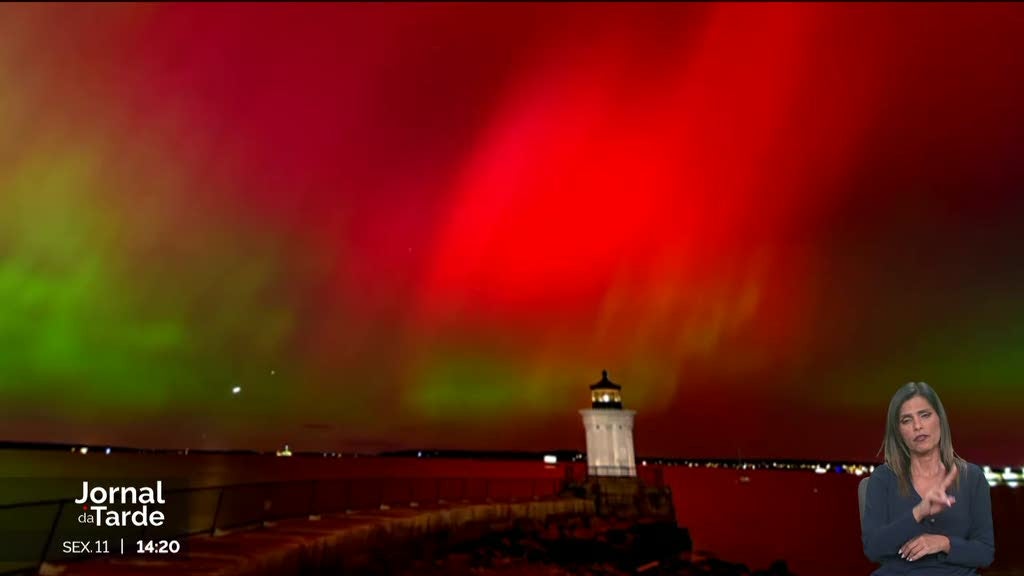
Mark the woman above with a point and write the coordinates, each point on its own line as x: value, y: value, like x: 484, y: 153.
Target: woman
x: 927, y: 510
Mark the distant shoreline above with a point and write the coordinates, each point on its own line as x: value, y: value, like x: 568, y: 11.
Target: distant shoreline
x: 563, y: 456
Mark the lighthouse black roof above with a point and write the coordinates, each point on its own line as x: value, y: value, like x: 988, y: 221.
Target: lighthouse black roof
x: 605, y: 383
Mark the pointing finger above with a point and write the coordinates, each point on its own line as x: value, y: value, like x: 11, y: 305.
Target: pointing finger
x: 949, y: 477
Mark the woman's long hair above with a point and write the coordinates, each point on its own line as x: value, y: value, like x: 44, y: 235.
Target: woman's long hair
x: 897, y: 454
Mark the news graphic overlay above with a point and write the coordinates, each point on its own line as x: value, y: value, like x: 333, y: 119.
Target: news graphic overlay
x: 66, y: 520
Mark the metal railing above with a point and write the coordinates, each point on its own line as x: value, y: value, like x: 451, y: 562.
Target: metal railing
x: 214, y: 510
x: 611, y: 470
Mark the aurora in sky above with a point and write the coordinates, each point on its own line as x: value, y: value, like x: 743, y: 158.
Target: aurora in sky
x: 411, y: 225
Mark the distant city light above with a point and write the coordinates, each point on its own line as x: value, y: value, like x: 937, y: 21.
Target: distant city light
x: 84, y: 449
x: 550, y: 459
x: 236, y: 389
x: 108, y: 451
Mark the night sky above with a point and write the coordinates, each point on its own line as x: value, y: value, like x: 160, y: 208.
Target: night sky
x: 398, y: 226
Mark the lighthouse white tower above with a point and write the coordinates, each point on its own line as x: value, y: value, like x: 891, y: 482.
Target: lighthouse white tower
x: 609, y: 431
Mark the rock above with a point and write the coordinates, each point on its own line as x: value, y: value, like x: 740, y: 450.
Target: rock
x: 777, y: 568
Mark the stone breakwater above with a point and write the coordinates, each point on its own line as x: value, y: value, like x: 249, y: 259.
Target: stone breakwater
x: 377, y: 541
x: 582, y: 545
x: 546, y: 537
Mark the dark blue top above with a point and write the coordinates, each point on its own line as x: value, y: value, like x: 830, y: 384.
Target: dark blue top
x: 889, y: 523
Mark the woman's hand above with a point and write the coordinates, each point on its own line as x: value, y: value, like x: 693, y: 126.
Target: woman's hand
x: 923, y: 545
x: 936, y: 500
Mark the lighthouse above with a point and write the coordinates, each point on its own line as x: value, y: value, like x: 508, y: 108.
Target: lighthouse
x: 609, y: 431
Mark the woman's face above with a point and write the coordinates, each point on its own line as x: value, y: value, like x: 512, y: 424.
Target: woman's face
x: 919, y: 425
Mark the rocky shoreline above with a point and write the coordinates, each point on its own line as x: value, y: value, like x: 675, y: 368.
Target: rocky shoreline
x: 580, y: 545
